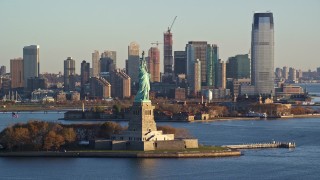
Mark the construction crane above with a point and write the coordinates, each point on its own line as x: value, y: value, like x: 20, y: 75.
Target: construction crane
x: 169, y: 28
x: 156, y: 43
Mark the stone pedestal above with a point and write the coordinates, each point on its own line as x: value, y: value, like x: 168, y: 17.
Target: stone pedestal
x: 142, y: 118
x: 142, y: 127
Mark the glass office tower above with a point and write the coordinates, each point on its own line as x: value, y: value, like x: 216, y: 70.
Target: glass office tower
x: 262, y: 53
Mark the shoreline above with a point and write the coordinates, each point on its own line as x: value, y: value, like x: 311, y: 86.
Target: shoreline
x: 123, y: 154
x: 183, y: 121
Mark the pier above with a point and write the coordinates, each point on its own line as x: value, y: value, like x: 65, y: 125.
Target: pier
x: 272, y: 144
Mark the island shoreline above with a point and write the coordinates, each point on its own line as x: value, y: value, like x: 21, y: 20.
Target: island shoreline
x: 147, y: 154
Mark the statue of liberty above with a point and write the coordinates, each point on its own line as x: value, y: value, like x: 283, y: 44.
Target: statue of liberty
x: 144, y: 81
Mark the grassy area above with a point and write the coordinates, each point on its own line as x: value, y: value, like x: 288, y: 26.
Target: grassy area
x: 212, y: 148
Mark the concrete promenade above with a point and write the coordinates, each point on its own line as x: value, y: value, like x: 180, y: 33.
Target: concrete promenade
x: 263, y: 145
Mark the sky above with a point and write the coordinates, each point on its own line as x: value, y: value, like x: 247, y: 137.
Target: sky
x: 75, y: 28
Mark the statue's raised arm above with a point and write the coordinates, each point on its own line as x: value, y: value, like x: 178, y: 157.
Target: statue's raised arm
x: 144, y: 81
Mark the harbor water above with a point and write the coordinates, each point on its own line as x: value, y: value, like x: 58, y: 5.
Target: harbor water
x: 301, y: 162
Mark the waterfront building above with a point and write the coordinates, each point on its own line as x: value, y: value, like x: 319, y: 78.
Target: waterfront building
x: 286, y: 90
x: 133, y: 62
x: 31, y: 63
x: 120, y: 84
x: 69, y: 74
x: 197, y: 50
x: 153, y: 64
x: 262, y: 53
x: 180, y: 63
x: 16, y: 71
x: 238, y: 67
x: 84, y: 75
x: 100, y: 88
x: 95, y: 63
x: 41, y: 95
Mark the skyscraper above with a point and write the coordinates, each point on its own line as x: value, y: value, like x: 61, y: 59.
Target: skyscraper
x: 285, y: 72
x: 221, y: 75
x: 106, y: 64
x: 292, y: 75
x: 31, y: 66
x: 210, y: 66
x: 133, y: 62
x: 278, y: 73
x: 215, y: 54
x: 197, y: 50
x: 16, y: 71
x: 108, y: 61
x: 154, y: 64
x: 262, y: 53
x: 196, y: 84
x: 167, y: 53
x: 95, y: 63
x: 238, y: 67
x: 3, y: 70
x: 69, y: 74
x: 85, y: 75
x: 180, y: 62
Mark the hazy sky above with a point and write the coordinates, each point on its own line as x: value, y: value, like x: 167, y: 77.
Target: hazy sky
x: 76, y: 28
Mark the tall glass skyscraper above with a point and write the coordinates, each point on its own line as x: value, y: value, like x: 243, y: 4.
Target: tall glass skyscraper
x: 262, y: 53
x: 30, y: 62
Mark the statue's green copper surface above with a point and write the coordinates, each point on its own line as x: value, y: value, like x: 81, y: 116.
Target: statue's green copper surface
x: 144, y: 82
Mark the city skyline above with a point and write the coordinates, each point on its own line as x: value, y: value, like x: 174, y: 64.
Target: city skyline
x: 66, y: 29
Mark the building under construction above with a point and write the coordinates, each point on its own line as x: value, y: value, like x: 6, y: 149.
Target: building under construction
x: 167, y: 53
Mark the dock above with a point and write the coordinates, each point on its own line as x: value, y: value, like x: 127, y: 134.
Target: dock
x: 272, y: 144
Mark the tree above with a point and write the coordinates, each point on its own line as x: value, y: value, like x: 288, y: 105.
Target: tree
x: 36, y: 135
x: 178, y: 132
x: 38, y: 130
x: 53, y: 141
x: 69, y: 135
x: 15, y: 137
x: 109, y: 128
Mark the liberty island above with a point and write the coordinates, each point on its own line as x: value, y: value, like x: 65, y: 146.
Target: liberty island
x: 141, y: 136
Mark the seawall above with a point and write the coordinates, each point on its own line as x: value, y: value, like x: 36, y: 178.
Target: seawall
x: 122, y: 154
x: 263, y: 145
